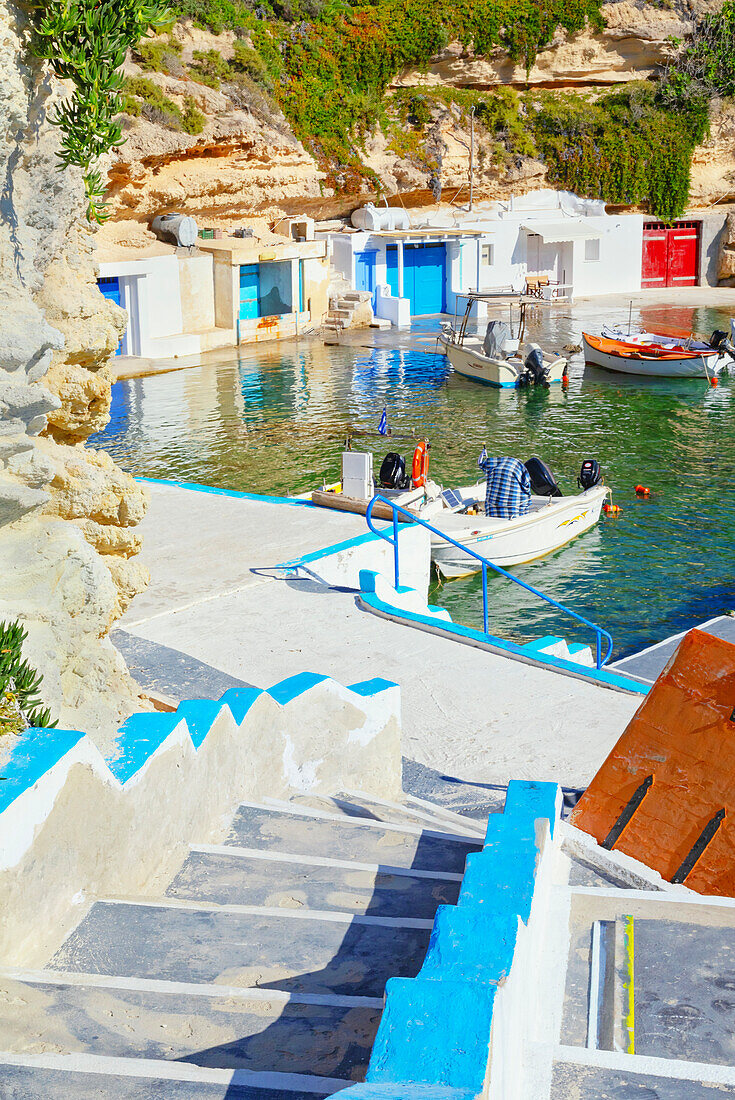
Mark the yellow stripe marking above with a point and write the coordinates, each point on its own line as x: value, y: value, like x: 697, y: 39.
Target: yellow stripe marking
x: 630, y: 982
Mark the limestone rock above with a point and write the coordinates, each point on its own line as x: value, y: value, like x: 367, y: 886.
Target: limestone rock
x: 84, y: 405
x: 88, y: 485
x: 63, y: 592
x: 57, y: 333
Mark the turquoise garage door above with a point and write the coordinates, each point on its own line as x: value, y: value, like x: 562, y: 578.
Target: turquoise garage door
x: 424, y: 276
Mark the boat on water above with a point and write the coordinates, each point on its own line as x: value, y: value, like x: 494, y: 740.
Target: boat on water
x: 658, y: 355
x: 552, y: 520
x: 496, y: 359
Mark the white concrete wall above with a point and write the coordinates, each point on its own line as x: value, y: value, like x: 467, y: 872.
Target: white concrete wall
x: 395, y: 310
x: 76, y: 832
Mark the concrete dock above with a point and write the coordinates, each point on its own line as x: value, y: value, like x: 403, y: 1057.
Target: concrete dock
x: 217, y: 613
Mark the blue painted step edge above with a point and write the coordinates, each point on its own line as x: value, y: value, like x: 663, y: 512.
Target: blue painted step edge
x: 601, y: 676
x: 422, y: 1049
x: 37, y: 750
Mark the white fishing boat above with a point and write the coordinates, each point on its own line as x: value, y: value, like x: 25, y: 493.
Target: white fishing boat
x: 549, y: 525
x: 657, y: 355
x: 496, y: 359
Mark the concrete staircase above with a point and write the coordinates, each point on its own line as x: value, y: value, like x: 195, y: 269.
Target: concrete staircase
x: 351, y: 309
x: 257, y: 974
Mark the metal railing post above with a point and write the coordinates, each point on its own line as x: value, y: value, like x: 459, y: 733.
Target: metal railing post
x: 484, y: 563
x: 484, y: 598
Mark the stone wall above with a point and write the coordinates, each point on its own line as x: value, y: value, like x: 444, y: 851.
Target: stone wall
x: 67, y: 581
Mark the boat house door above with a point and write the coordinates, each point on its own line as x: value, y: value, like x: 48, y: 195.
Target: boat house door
x: 110, y: 288
x: 249, y: 291
x: 670, y: 254
x: 365, y: 272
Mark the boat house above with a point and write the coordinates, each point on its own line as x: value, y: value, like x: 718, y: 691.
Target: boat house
x: 547, y: 242
x: 224, y: 291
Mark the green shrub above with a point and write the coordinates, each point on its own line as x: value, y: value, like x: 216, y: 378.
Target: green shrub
x: 192, y: 119
x: 248, y: 62
x: 85, y: 42
x: 209, y: 68
x: 156, y: 106
x: 160, y: 56
x: 626, y: 147
x: 20, y: 702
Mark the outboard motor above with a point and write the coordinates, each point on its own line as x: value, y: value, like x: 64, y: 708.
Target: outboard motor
x: 534, y: 371
x: 590, y: 474
x: 721, y: 342
x: 542, y: 479
x: 393, y: 472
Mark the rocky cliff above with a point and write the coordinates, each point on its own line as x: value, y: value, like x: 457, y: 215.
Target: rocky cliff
x: 67, y: 515
x: 245, y: 159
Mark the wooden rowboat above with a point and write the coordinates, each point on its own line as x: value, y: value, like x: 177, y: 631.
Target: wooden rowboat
x: 654, y: 359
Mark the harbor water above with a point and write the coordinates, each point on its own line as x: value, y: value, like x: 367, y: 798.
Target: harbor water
x: 275, y: 419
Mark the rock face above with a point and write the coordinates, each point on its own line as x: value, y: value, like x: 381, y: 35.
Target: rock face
x: 65, y: 512
x: 246, y: 161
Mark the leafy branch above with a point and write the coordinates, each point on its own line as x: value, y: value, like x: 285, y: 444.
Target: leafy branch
x: 85, y: 41
x: 20, y: 702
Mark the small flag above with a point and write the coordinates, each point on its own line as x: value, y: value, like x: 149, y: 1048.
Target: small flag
x: 383, y: 425
x: 483, y: 457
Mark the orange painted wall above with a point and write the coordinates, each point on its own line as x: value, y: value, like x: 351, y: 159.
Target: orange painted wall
x: 684, y: 736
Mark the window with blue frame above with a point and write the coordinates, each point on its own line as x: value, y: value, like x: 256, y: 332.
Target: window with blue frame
x: 265, y: 290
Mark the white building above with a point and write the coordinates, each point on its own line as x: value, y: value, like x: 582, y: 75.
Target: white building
x: 419, y: 263
x: 225, y: 292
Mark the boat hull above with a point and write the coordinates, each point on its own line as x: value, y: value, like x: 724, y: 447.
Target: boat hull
x: 654, y: 367
x: 501, y: 373
x: 512, y: 542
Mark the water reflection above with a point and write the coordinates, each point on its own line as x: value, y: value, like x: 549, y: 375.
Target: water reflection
x: 275, y: 421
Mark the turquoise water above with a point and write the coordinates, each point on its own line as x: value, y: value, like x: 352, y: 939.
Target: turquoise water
x: 276, y: 422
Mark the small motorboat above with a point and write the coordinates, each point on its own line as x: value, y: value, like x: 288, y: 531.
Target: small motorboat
x: 496, y: 360
x: 657, y: 355
x: 553, y: 521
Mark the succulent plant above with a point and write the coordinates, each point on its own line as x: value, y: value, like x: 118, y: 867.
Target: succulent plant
x: 85, y: 42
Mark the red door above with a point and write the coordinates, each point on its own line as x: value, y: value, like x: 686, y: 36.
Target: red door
x: 670, y: 254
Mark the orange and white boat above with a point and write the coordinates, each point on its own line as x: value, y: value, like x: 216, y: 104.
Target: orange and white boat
x: 659, y: 356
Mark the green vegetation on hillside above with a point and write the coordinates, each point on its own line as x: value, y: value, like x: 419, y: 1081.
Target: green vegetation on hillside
x: 329, y: 63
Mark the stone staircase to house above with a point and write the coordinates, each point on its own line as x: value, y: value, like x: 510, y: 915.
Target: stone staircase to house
x: 257, y: 974
x: 351, y: 309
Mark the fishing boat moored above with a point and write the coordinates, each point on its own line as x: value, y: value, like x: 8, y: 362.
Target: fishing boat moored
x: 496, y: 359
x: 656, y: 355
x: 552, y: 521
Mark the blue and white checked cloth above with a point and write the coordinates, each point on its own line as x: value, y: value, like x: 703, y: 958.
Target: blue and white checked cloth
x: 508, y: 492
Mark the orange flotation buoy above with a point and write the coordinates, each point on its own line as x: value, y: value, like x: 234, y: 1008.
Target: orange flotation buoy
x: 643, y: 490
x: 420, y: 469
x: 611, y: 509
x: 713, y: 380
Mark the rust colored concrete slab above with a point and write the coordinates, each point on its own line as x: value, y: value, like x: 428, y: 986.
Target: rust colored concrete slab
x: 683, y: 736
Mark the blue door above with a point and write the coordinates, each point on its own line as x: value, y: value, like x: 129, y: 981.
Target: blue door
x: 249, y: 291
x: 365, y: 272
x: 424, y: 277
x: 110, y: 287
x: 391, y: 262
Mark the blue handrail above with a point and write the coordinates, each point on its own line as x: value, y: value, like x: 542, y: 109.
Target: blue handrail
x: 600, y: 661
